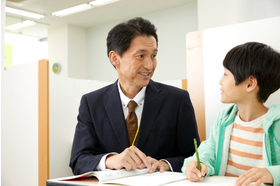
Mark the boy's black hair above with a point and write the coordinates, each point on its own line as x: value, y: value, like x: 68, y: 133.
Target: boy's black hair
x: 258, y: 60
x: 119, y: 38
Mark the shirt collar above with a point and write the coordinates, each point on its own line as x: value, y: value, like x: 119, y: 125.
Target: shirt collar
x: 139, y: 98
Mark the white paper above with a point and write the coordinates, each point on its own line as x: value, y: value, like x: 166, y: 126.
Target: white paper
x: 209, y: 181
x: 153, y: 179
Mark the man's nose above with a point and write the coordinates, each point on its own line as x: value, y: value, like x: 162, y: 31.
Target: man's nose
x: 148, y: 64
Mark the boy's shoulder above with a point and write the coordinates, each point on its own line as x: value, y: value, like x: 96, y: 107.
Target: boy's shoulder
x: 274, y: 111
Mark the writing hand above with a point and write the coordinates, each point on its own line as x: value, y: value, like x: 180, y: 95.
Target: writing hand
x: 193, y: 173
x: 158, y: 165
x: 130, y: 158
x: 258, y: 175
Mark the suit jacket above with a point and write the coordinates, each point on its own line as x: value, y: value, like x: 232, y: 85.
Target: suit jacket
x: 167, y: 128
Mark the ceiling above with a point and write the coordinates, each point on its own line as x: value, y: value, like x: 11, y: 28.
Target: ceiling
x: 119, y: 10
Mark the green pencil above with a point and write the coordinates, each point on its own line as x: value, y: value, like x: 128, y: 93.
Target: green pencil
x: 197, y: 156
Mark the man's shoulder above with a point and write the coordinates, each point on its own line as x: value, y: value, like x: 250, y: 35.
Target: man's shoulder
x: 100, y: 92
x: 168, y: 88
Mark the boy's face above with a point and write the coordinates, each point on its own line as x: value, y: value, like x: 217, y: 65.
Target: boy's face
x: 232, y: 93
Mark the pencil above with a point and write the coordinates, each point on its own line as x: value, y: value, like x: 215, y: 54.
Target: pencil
x: 133, y: 143
x: 197, y: 156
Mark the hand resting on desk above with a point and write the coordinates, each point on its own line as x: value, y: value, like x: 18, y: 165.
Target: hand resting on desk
x: 258, y: 175
x: 132, y: 158
x: 158, y: 165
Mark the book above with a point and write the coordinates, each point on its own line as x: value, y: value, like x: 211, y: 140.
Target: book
x: 134, y: 177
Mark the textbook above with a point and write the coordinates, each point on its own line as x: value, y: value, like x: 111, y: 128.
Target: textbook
x: 134, y: 177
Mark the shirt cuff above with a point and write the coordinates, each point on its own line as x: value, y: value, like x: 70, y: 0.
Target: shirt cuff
x: 168, y: 164
x: 101, y: 166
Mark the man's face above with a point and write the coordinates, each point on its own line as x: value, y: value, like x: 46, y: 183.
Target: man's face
x: 138, y: 63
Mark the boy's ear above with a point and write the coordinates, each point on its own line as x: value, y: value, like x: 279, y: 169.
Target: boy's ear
x: 252, y: 84
x: 114, y: 58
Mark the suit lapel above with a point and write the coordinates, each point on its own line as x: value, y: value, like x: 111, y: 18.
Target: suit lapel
x: 115, y: 113
x: 152, y: 104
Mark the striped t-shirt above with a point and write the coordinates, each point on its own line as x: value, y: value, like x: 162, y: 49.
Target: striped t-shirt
x: 246, y: 146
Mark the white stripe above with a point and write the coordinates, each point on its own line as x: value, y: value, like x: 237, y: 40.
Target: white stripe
x: 246, y: 148
x: 245, y: 161
x: 234, y: 170
x: 247, y: 135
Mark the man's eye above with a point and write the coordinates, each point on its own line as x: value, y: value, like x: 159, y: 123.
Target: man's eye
x: 154, y: 56
x: 140, y: 56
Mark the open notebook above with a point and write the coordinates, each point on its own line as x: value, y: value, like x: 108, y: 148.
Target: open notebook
x: 134, y: 177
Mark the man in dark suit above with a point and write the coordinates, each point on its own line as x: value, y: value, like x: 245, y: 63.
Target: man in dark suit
x: 163, y: 114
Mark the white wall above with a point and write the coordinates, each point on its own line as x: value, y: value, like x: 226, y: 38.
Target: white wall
x: 76, y: 52
x: 217, y: 42
x: 216, y: 13
x: 26, y: 49
x: 172, y: 25
x: 2, y: 60
x: 19, y: 125
x: 67, y: 46
x: 58, y: 49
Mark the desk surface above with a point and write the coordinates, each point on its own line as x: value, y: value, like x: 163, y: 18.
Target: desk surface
x: 92, y: 181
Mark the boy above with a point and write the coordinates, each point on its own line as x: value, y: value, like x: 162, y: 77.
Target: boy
x: 244, y: 140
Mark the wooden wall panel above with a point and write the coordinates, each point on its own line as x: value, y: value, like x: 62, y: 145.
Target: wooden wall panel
x: 195, y: 77
x: 184, y: 84
x: 43, y: 117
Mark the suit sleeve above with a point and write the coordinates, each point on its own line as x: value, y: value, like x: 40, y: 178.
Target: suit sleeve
x: 86, y: 152
x: 186, y: 132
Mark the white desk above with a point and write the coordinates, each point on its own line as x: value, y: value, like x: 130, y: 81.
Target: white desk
x: 212, y: 180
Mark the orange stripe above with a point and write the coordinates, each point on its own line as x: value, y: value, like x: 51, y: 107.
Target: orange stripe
x: 245, y: 154
x: 248, y: 129
x: 231, y: 175
x: 239, y: 166
x: 246, y: 141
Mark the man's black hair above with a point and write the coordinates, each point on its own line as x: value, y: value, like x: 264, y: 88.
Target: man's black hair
x: 257, y: 60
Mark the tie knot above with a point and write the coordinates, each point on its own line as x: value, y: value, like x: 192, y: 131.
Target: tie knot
x: 131, y: 106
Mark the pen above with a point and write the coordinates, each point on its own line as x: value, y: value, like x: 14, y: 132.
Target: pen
x: 197, y: 157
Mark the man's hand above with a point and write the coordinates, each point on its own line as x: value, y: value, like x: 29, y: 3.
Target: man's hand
x: 130, y: 158
x: 193, y: 173
x: 158, y: 165
x: 258, y: 175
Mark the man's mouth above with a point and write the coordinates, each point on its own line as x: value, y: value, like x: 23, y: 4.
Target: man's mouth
x: 145, y: 73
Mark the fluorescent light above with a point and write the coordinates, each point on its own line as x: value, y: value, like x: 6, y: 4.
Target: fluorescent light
x: 72, y: 10
x: 23, y: 13
x: 101, y: 2
x: 20, y: 25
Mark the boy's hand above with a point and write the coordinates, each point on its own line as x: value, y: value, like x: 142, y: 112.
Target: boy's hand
x: 258, y: 175
x: 193, y: 173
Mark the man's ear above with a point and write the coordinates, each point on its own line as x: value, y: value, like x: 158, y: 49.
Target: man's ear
x: 114, y: 58
x: 252, y: 84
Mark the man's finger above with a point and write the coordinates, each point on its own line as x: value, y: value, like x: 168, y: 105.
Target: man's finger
x: 143, y: 158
